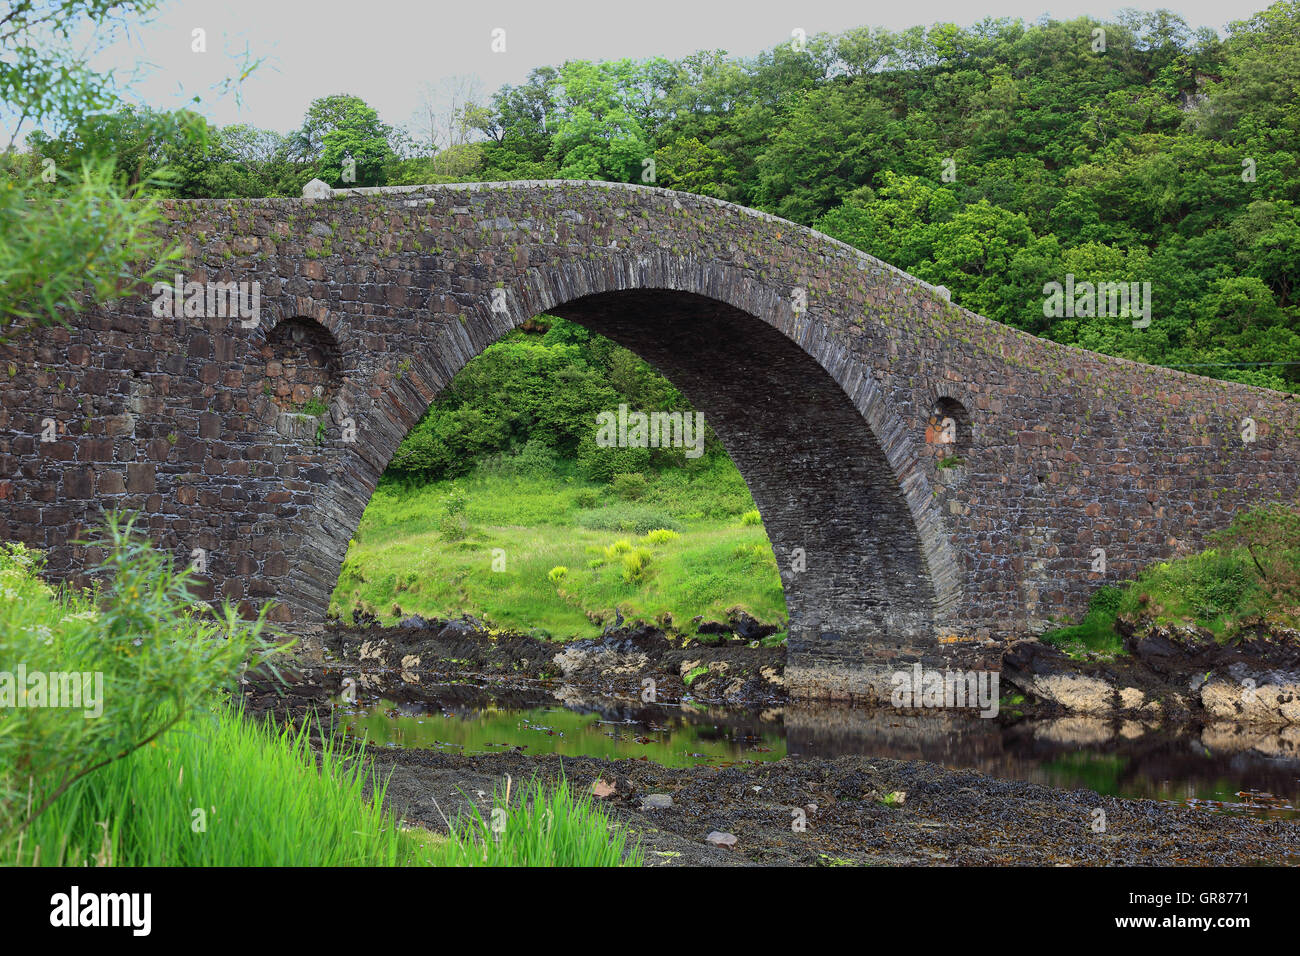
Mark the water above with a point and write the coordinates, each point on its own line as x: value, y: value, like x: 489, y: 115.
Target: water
x: 1227, y: 767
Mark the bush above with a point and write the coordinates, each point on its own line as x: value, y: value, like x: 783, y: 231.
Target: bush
x: 587, y: 498
x: 636, y: 566
x: 603, y: 464
x: 557, y: 574
x: 751, y: 518
x: 535, y: 458
x: 456, y: 500
x: 1270, y: 540
x: 453, y: 527
x: 627, y: 518
x: 629, y: 486
x: 661, y: 536
x: 621, y: 546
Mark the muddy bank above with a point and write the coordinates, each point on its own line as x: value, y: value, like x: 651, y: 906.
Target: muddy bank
x: 1170, y: 673
x: 639, y: 662
x: 848, y: 811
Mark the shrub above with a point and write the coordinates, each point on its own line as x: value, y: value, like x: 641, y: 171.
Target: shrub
x: 621, y: 546
x: 629, y: 486
x: 602, y: 464
x: 587, y: 498
x: 661, y: 536
x: 153, y: 657
x: 1270, y: 538
x: 535, y: 458
x: 453, y: 527
x: 456, y: 500
x: 557, y: 574
x: 751, y: 518
x: 627, y: 518
x: 636, y: 566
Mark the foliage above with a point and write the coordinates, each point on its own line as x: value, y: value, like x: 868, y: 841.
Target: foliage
x: 1270, y: 537
x: 629, y: 486
x: 150, y: 657
x: 51, y: 264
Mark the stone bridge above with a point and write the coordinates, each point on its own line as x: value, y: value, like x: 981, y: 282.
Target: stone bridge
x: 830, y: 376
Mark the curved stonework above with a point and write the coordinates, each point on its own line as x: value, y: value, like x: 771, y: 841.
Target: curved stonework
x: 817, y: 366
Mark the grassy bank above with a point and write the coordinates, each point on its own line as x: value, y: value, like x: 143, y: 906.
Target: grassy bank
x: 547, y: 550
x: 155, y: 766
x: 231, y: 791
x: 1249, y: 579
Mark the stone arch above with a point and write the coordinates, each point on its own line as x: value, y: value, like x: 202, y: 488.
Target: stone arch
x: 828, y: 460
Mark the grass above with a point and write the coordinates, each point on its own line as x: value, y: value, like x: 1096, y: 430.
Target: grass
x: 691, y: 546
x: 537, y: 826
x: 222, y: 791
x: 238, y: 792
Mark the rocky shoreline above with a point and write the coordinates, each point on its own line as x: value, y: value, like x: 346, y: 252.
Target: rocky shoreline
x: 1170, y: 674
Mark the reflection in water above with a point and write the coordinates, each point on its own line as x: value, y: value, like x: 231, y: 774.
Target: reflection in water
x: 673, y: 740
x: 1224, y: 766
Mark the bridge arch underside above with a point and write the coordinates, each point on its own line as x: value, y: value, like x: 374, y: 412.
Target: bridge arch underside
x: 859, y: 581
x: 830, y: 500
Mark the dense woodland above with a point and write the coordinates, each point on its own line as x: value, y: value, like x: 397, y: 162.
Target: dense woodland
x: 991, y: 160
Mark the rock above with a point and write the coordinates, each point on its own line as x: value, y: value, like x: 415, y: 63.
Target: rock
x: 1074, y: 731
x: 317, y: 189
x: 748, y: 628
x: 656, y: 801
x: 413, y: 621
x: 1047, y: 673
x: 718, y: 838
x: 1270, y: 698
x: 363, y: 618
x: 463, y: 627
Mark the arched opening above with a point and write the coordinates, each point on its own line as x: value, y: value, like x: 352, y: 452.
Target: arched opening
x: 302, y: 364
x: 948, y: 431
x: 854, y: 563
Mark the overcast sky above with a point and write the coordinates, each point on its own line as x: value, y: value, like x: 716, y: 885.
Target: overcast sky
x: 386, y: 51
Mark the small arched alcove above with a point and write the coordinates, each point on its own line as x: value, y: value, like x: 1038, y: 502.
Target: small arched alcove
x: 302, y: 365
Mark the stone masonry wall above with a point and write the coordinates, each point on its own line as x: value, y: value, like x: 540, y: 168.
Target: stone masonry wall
x: 820, y: 367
